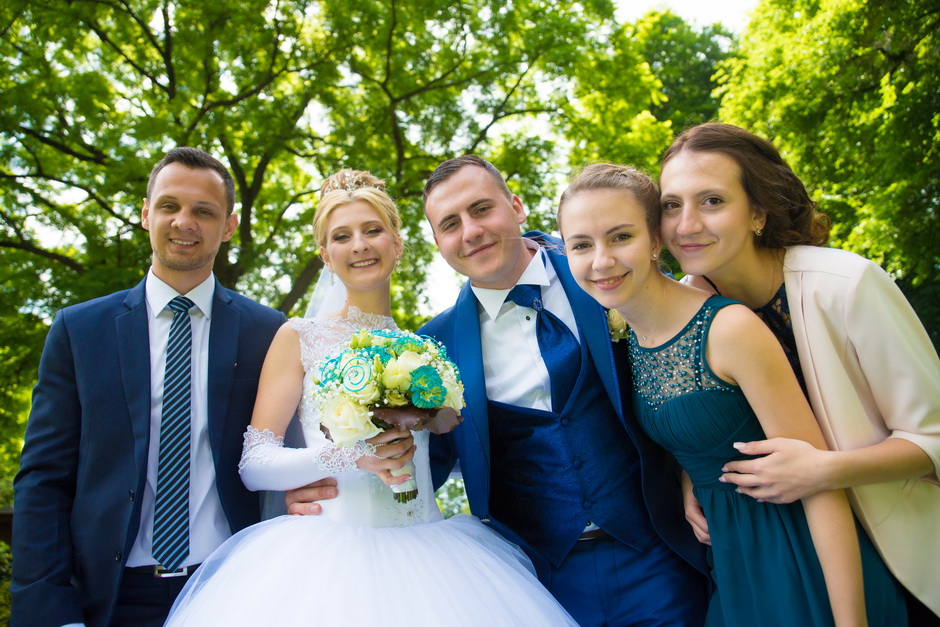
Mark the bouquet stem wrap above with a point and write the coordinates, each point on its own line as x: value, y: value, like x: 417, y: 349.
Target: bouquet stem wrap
x: 407, y: 491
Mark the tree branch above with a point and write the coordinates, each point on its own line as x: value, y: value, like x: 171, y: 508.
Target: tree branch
x: 301, y: 284
x: 41, y: 252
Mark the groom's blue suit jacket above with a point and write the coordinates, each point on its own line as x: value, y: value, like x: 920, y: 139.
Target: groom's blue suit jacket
x: 84, y: 464
x: 458, y: 329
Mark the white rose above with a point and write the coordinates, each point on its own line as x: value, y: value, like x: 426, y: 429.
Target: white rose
x: 454, y: 398
x: 395, y: 397
x: 398, y: 370
x: 366, y: 394
x: 347, y: 421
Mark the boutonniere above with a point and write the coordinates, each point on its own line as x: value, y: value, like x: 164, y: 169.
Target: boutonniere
x: 616, y: 325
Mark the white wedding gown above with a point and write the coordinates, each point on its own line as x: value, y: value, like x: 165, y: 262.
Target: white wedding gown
x: 367, y: 560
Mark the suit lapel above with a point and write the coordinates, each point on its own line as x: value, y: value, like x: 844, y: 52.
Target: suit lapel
x: 469, y: 358
x: 133, y: 343
x: 223, y: 354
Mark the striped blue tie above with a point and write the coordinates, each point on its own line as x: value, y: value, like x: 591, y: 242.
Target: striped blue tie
x: 171, y: 512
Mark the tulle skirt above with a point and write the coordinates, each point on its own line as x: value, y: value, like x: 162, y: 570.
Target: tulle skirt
x: 308, y: 570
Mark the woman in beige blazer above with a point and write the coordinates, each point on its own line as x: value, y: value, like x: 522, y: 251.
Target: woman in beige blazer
x: 741, y: 223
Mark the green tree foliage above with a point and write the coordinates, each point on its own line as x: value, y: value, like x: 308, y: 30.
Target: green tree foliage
x: 285, y: 92
x: 849, y: 90
x: 685, y: 61
x: 607, y: 107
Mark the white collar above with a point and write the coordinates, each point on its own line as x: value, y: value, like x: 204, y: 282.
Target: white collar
x: 159, y: 294
x: 538, y: 272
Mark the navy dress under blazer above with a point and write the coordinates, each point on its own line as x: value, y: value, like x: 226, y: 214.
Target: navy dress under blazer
x: 85, y: 457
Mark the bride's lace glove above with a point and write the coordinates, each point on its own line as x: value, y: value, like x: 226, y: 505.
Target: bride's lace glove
x: 266, y: 464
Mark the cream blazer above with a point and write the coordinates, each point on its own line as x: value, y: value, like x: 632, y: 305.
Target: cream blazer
x: 872, y: 373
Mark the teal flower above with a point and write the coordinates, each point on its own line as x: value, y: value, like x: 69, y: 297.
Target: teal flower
x: 427, y: 389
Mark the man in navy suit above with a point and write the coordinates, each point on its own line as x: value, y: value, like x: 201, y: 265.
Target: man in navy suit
x: 572, y: 479
x: 85, y: 493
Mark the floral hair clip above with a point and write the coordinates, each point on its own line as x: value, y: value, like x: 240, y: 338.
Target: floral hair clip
x: 350, y: 180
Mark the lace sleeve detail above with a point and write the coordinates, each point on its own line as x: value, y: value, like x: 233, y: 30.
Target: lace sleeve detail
x: 252, y: 449
x: 266, y: 464
x: 335, y: 460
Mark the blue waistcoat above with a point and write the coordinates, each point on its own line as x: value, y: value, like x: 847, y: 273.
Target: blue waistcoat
x: 555, y: 472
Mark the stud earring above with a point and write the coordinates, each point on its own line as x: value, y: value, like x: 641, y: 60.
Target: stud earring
x: 655, y: 255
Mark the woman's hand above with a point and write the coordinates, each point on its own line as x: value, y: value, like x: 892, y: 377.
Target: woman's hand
x: 792, y: 470
x: 393, y: 450
x: 693, y: 511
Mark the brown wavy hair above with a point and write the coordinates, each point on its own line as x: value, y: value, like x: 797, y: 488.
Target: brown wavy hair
x: 769, y: 182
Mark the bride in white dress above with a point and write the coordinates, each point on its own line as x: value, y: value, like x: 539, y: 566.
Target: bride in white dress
x: 367, y: 560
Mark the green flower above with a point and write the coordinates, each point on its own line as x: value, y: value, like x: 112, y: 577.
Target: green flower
x: 360, y: 339
x: 407, y: 343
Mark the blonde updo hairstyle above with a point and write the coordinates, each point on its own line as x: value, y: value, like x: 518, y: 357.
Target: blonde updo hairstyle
x: 347, y: 186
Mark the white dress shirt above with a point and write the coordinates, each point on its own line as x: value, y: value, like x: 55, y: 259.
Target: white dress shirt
x: 208, y: 526
x: 513, y: 367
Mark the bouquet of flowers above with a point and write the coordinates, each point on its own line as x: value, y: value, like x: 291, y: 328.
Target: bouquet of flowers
x: 378, y: 371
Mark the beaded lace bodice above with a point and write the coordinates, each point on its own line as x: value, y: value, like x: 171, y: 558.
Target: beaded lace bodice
x: 685, y: 408
x: 677, y: 367
x: 363, y: 499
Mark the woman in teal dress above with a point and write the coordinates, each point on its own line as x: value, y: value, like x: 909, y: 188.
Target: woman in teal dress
x: 708, y: 373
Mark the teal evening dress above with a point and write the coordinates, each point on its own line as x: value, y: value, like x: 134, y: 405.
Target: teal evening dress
x: 762, y: 556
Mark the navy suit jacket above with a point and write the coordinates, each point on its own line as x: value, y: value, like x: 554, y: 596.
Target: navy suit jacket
x: 458, y: 329
x: 84, y: 463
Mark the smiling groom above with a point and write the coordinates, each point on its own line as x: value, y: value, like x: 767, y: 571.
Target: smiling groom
x: 550, y: 452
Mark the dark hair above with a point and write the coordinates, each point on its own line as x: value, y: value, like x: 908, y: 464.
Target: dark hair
x: 618, y: 177
x: 450, y: 167
x: 196, y: 159
x: 791, y: 216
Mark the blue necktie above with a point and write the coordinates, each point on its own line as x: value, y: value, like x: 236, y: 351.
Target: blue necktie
x: 171, y: 511
x: 560, y: 350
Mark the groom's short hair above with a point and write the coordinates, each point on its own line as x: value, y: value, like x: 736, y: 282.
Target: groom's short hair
x: 450, y: 167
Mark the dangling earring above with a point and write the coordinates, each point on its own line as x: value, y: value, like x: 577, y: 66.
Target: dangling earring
x: 332, y: 274
x: 758, y: 231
